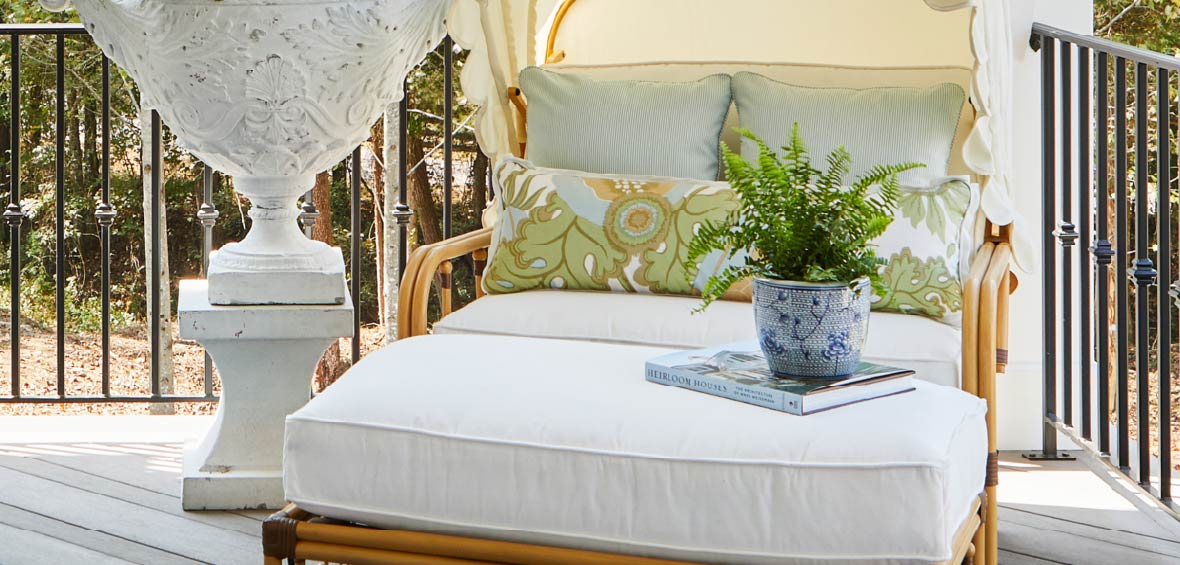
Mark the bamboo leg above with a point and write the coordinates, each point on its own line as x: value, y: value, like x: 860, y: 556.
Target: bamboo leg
x: 993, y: 294
x: 479, y: 258
x: 976, y: 555
x: 446, y: 272
x: 971, y: 304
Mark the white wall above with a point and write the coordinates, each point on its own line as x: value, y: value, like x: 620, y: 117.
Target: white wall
x: 1019, y: 392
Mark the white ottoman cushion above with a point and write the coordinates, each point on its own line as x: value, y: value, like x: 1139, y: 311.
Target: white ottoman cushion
x: 564, y: 443
x: 930, y: 348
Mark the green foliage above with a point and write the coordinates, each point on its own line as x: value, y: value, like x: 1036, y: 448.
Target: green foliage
x: 799, y: 222
x: 1150, y: 24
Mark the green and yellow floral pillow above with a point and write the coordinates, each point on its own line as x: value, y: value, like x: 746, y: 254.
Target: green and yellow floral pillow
x: 926, y: 249
x: 559, y: 229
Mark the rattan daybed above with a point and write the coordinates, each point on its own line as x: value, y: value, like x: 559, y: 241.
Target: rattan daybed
x: 298, y: 533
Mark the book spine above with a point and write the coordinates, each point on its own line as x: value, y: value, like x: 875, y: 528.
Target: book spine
x: 775, y: 400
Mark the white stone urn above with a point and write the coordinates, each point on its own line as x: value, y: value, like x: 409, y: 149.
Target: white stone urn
x: 271, y: 92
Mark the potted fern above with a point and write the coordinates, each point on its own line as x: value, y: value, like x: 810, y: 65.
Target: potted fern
x: 809, y: 238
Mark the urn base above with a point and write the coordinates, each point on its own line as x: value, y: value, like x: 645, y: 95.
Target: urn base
x: 236, y: 286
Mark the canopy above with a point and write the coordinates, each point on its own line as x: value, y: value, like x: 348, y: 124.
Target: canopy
x: 870, y: 37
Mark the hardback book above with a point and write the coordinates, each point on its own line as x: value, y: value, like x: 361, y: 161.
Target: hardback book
x: 740, y: 372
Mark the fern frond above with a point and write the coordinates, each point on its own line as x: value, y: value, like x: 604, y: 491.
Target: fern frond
x: 799, y: 222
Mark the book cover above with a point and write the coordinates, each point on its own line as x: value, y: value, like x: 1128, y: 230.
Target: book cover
x: 740, y: 372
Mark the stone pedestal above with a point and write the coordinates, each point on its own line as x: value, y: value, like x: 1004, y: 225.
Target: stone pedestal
x: 266, y: 356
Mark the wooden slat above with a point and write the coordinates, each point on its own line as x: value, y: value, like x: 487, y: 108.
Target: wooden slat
x: 22, y: 546
x: 156, y: 471
x: 73, y: 478
x: 67, y: 533
x: 1013, y: 558
x: 1066, y: 547
x: 163, y: 531
x: 1117, y: 537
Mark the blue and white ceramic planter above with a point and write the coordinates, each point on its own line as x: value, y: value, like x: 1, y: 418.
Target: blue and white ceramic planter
x: 812, y: 329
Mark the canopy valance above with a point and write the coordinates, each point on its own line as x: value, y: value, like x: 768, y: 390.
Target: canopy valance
x: 972, y: 38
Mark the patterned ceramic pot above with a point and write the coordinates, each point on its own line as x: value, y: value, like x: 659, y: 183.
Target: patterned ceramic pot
x: 812, y: 329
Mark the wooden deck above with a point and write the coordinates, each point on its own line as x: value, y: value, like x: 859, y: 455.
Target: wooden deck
x: 104, y: 490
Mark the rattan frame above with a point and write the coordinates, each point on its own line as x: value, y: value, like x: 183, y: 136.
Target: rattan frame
x: 296, y: 535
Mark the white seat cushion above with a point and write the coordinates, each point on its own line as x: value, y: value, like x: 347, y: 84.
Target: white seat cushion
x: 930, y: 348
x: 564, y: 443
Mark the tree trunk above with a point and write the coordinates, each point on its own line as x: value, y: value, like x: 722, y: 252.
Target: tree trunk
x: 331, y: 366
x: 90, y: 145
x: 421, y: 199
x: 479, y: 183
x: 162, y: 279
x: 74, y: 136
x: 378, y: 137
x: 321, y: 197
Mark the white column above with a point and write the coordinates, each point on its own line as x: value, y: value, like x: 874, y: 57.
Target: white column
x: 266, y: 356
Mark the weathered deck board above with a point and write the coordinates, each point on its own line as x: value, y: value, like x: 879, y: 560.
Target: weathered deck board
x: 179, y: 535
x: 118, y: 501
x: 24, y: 546
x: 53, y: 532
x: 128, y: 492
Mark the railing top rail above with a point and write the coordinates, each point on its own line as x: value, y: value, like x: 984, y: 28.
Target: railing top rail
x: 1128, y: 52
x: 42, y: 29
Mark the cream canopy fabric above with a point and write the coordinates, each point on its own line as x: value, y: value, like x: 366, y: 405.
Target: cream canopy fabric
x: 505, y: 36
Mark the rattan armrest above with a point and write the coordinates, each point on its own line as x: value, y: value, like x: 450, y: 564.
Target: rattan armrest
x: 985, y: 338
x: 423, y: 263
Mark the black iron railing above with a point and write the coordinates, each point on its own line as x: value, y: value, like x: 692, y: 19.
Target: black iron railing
x: 1120, y: 319
x: 107, y: 217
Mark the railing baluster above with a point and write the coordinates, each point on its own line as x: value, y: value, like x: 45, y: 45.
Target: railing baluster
x: 1066, y: 233
x: 14, y: 215
x: 1084, y: 211
x: 1144, y: 274
x: 154, y: 324
x: 448, y: 133
x: 308, y: 214
x: 1048, y: 211
x: 207, y: 215
x: 60, y: 213
x: 1163, y: 258
x: 355, y: 253
x: 1102, y: 252
x: 1120, y: 271
x: 105, y: 215
x: 402, y: 211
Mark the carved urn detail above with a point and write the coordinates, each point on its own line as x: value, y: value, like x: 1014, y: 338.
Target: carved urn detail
x: 271, y: 92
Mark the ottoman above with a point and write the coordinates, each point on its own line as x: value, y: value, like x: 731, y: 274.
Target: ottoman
x: 564, y: 443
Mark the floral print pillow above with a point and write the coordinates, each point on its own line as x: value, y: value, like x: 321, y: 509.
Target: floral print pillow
x: 925, y: 249
x: 559, y: 229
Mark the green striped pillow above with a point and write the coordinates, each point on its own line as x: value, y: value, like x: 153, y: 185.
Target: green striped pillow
x: 878, y: 126
x: 625, y: 127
